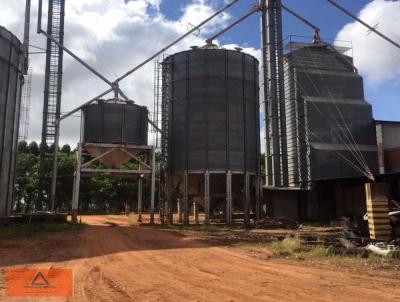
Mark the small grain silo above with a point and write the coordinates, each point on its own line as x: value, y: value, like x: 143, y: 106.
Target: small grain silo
x: 112, y: 133
x: 11, y: 80
x: 113, y: 122
x: 210, y: 140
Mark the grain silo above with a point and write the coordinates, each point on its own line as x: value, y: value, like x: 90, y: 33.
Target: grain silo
x: 114, y: 132
x: 211, y: 130
x: 113, y: 122
x: 11, y: 80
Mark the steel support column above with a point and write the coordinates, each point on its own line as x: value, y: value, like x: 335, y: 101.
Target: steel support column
x: 185, y: 198
x: 246, y: 198
x: 274, y: 101
x: 258, y: 197
x: 153, y: 183
x: 264, y: 66
x: 179, y: 209
x: 77, y: 181
x: 229, y: 197
x: 168, y: 200
x: 207, y: 197
x: 196, y: 212
x: 140, y: 195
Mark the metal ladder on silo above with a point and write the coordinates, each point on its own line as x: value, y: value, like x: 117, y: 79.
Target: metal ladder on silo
x: 157, y: 111
x: 164, y: 111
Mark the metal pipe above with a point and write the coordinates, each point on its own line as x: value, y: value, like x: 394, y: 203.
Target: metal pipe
x: 281, y: 87
x: 176, y: 41
x: 292, y: 12
x: 85, y: 104
x: 40, y: 11
x: 256, y: 8
x: 94, y: 71
x: 264, y: 45
x: 26, y: 34
x: 363, y: 23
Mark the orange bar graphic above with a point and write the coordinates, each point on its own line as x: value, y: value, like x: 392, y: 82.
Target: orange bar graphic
x: 39, y: 282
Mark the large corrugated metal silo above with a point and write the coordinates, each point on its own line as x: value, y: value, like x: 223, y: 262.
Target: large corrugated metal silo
x: 11, y: 80
x: 211, y: 123
x: 213, y: 111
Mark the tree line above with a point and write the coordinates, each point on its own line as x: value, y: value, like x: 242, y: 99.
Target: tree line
x: 97, y: 194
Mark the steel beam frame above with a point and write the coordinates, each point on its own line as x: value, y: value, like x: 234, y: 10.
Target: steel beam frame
x: 82, y: 170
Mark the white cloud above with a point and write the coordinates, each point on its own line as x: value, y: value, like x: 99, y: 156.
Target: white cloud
x: 376, y: 59
x: 112, y: 36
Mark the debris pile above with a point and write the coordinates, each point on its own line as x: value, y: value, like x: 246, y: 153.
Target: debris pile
x: 276, y: 223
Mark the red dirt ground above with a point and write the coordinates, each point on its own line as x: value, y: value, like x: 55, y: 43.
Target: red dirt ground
x: 122, y: 261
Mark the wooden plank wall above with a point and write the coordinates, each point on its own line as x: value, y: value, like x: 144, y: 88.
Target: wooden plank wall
x: 378, y: 211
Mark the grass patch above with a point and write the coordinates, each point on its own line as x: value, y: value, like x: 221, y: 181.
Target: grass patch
x: 286, y: 247
x: 292, y: 247
x: 28, y: 230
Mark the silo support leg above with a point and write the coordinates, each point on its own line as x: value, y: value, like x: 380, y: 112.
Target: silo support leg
x: 258, y: 198
x: 179, y: 208
x: 196, y: 212
x: 77, y: 180
x: 140, y: 198
x: 168, y: 201
x: 153, y: 184
x: 229, y: 197
x: 207, y: 197
x: 185, y: 198
x: 246, y: 198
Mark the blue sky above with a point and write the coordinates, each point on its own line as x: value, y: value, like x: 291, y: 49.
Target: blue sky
x: 383, y: 96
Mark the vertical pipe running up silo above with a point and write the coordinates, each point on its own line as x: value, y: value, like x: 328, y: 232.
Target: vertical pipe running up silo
x: 275, y: 126
x: 268, y: 160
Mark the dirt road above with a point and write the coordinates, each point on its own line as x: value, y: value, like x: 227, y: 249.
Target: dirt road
x: 120, y: 261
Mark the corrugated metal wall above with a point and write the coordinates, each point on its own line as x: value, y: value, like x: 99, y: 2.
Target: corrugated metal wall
x: 213, y: 105
x: 115, y: 123
x: 391, y: 145
x: 325, y: 101
x: 11, y: 79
